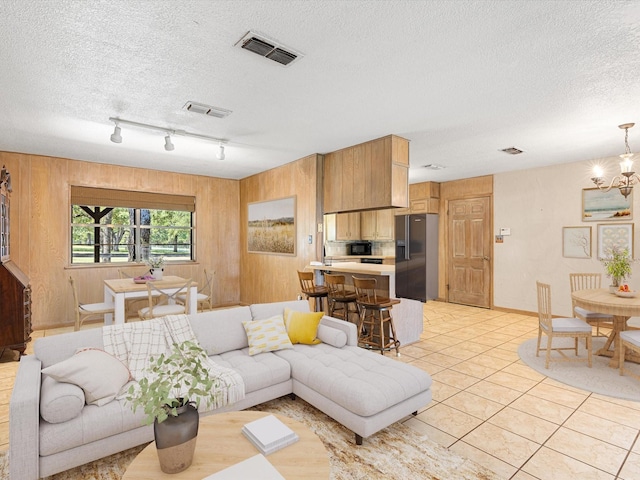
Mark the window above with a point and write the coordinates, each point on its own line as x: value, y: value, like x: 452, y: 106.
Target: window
x: 117, y: 226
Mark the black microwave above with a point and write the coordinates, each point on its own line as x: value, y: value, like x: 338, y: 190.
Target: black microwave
x: 359, y: 248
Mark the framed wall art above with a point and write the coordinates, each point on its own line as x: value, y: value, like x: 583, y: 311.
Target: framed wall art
x: 272, y: 226
x: 614, y: 235
x: 600, y: 206
x: 576, y: 242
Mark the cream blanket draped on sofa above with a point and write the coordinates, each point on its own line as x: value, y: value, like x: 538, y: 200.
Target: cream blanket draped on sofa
x: 135, y: 343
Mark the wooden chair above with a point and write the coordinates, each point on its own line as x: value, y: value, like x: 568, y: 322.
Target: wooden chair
x: 589, y: 281
x: 311, y: 290
x: 167, y: 294
x: 86, y: 310
x: 629, y: 339
x: 205, y: 294
x: 375, y: 328
x: 133, y: 305
x: 340, y: 298
x: 559, y: 328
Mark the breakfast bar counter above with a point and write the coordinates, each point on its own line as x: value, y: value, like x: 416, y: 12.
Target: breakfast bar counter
x: 407, y: 315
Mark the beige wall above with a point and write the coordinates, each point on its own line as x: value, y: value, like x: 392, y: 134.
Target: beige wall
x: 536, y: 204
x: 40, y: 229
x: 269, y: 278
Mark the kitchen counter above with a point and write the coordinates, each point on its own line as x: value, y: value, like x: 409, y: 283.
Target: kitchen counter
x: 355, y: 267
x: 407, y: 315
x: 343, y: 257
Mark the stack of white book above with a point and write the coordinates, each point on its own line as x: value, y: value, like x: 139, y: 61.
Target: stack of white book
x: 268, y: 434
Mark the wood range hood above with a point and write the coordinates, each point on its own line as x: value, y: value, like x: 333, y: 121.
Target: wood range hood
x: 370, y: 176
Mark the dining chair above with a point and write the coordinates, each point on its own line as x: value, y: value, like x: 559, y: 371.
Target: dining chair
x: 205, y: 293
x: 86, y: 310
x: 559, y: 328
x: 132, y: 305
x: 629, y: 339
x: 589, y: 281
x: 166, y: 301
x: 311, y: 290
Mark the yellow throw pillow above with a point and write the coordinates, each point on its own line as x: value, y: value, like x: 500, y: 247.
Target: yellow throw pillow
x: 266, y: 335
x: 302, y: 327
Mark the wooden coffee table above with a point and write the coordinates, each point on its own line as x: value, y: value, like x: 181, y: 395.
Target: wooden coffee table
x: 221, y: 444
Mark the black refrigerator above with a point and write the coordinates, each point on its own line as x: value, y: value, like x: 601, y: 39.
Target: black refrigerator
x: 417, y: 256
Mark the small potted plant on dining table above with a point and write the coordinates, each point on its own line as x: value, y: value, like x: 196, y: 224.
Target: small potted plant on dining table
x: 618, y: 266
x: 156, y: 264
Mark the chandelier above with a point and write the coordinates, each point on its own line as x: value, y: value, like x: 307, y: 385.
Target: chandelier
x: 627, y: 178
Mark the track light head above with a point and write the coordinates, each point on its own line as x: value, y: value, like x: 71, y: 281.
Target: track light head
x: 168, y: 146
x: 220, y: 154
x: 115, y: 136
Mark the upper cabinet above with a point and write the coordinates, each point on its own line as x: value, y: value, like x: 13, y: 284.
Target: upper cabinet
x: 423, y: 198
x: 372, y: 175
x: 377, y: 225
x: 342, y: 226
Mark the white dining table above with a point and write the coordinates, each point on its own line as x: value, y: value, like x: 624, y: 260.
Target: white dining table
x: 119, y: 289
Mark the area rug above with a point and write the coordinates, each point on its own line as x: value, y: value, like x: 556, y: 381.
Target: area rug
x: 397, y: 452
x: 600, y: 378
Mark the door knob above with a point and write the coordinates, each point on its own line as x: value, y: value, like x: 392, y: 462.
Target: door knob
x: 486, y: 258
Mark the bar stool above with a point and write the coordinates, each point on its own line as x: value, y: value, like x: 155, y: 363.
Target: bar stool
x: 375, y: 329
x: 311, y: 290
x: 340, y: 298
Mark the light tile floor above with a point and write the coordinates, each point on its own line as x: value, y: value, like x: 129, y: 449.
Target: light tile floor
x: 487, y: 405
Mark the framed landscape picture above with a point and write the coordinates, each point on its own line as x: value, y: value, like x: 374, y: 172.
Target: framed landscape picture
x: 614, y: 235
x: 599, y: 206
x: 576, y: 242
x: 272, y: 226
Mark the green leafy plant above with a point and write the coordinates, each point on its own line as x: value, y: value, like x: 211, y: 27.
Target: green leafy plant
x: 173, y: 381
x: 617, y: 264
x: 156, y: 261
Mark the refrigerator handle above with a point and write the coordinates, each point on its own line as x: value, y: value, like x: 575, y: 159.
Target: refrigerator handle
x: 407, y: 253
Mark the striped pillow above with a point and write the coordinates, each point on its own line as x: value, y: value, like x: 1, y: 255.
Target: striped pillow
x: 267, y: 335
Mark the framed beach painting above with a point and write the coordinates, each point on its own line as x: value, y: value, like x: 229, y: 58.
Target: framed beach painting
x: 576, y: 242
x: 600, y: 206
x: 272, y: 226
x: 614, y: 235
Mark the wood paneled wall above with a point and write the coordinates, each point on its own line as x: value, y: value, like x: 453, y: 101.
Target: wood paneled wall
x: 40, y: 211
x: 270, y: 278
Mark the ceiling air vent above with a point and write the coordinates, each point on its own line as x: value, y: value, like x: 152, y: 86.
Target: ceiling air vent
x: 206, y: 110
x: 511, y: 150
x: 268, y: 48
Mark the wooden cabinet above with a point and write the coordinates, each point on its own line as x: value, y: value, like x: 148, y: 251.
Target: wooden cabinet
x: 423, y: 198
x: 342, y: 226
x: 377, y: 225
x: 371, y: 175
x: 348, y: 226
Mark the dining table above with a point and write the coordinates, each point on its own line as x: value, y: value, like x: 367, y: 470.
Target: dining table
x: 602, y: 300
x: 119, y: 289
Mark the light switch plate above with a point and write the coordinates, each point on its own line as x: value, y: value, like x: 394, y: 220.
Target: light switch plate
x: 505, y: 231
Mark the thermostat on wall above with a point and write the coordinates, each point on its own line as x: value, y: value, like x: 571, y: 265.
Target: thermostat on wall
x: 505, y: 231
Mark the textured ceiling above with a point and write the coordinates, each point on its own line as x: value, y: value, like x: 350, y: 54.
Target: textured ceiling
x: 460, y: 79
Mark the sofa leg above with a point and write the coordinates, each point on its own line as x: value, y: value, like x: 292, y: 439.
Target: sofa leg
x: 292, y: 396
x: 414, y: 413
x: 358, y: 439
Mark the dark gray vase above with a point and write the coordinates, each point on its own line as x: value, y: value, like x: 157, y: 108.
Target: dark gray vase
x: 176, y: 439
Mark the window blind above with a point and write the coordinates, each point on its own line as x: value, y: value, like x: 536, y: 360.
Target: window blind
x: 106, y: 197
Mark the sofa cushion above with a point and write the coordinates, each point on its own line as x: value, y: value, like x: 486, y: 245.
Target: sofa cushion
x: 99, y: 374
x: 332, y: 336
x: 302, y: 327
x: 59, y: 401
x: 261, y: 311
x: 258, y: 371
x: 220, y: 331
x: 361, y: 381
x: 267, y: 335
x: 56, y: 348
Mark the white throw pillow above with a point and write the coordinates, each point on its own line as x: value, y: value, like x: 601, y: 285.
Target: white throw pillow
x: 99, y: 374
x: 267, y: 335
x: 332, y: 336
x: 60, y: 402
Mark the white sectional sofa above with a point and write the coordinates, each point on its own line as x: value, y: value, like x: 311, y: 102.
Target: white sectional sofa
x: 362, y: 390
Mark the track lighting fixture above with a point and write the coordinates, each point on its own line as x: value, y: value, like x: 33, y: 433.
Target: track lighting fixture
x: 168, y: 146
x: 115, y: 136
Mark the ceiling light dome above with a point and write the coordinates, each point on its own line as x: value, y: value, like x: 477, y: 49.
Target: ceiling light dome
x: 220, y: 155
x: 168, y: 146
x: 115, y: 136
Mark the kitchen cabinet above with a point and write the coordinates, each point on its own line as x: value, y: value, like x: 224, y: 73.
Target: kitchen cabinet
x: 377, y: 225
x: 342, y: 226
x: 371, y: 175
x: 423, y: 198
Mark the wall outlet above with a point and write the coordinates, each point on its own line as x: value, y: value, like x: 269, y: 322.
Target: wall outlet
x: 310, y: 239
